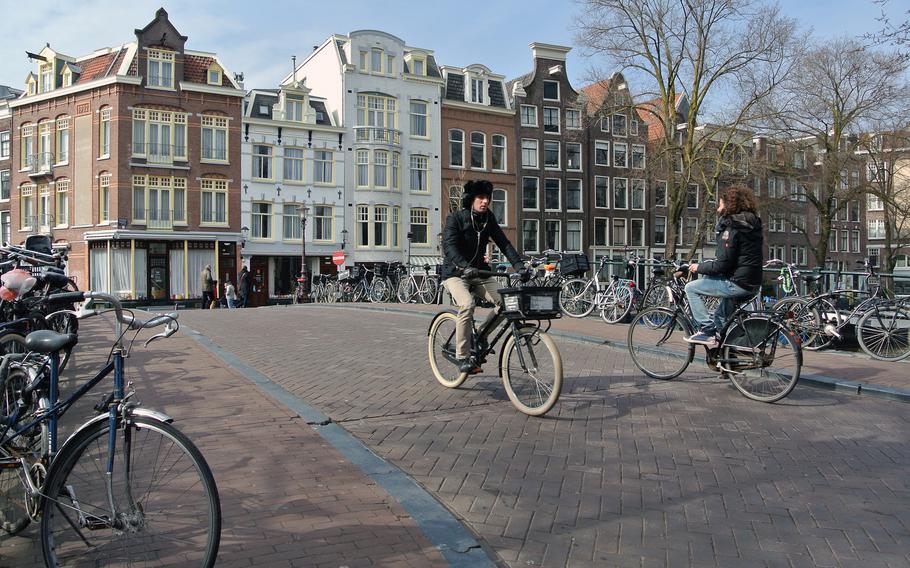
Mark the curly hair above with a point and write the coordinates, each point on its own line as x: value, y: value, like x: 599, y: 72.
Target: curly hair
x: 739, y: 199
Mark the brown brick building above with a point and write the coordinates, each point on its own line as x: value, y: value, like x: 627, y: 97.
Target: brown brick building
x: 132, y: 156
x: 478, y: 123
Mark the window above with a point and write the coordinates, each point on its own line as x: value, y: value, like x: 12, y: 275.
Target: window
x: 498, y: 205
x: 876, y: 229
x: 364, y: 57
x: 573, y: 195
x: 293, y: 164
x: 46, y: 77
x: 854, y: 241
x: 394, y: 171
x: 620, y: 193
x: 638, y: 194
x: 660, y: 230
x: 420, y: 226
x: 4, y: 185
x: 262, y: 221
x: 363, y: 168
x: 638, y: 156
x: 601, y: 191
x: 637, y: 232
x: 456, y: 148
x: 290, y: 222
x: 27, y: 133
x: 104, y: 197
x: 573, y: 119
x: 692, y: 196
x: 180, y: 200
x: 63, y: 140
x: 551, y: 194
x: 379, y: 113
x: 139, y: 184
x: 381, y: 226
x: 363, y: 226
x: 529, y: 153
x: 620, y: 155
x: 573, y: 156
x: 104, y: 133
x: 875, y: 203
x: 845, y: 241
x: 44, y: 208
x: 528, y: 115
x: 214, y: 138
x: 499, y: 152
x: 5, y: 227
x: 214, y: 201
x: 529, y: 229
x: 601, y: 153
x: 478, y: 150
x: 619, y: 125
x: 380, y: 169
x: 159, y: 136
x: 605, y: 124
x: 324, y: 167
x: 323, y: 220
x: 529, y: 193
x: 853, y: 212
x: 551, y: 120
x: 691, y: 229
x: 293, y: 110
x: 5, y: 144
x: 390, y: 64
x: 660, y: 194
x: 619, y: 237
x: 27, y: 206
x: 876, y: 172
x: 551, y: 238
x: 214, y: 77
x: 262, y: 161
x: 477, y: 90
x: 418, y: 67
x: 160, y: 68
x: 419, y: 118
x: 601, y: 232
x: 573, y: 236
x: 419, y: 165
x: 799, y: 159
x: 633, y: 127
x: 376, y: 60
x: 61, y: 205
x: 551, y: 90
x: 551, y: 155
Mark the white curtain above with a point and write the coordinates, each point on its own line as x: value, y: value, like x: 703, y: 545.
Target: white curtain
x: 175, y: 269
x: 197, y: 260
x: 141, y: 270
x: 120, y: 273
x: 99, y: 281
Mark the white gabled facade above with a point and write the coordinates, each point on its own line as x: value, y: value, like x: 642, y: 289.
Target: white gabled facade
x: 387, y: 97
x: 293, y: 155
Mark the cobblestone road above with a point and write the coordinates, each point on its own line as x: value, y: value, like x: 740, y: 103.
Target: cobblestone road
x: 624, y: 471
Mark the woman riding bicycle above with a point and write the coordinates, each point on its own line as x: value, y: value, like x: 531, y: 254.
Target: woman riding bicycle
x: 736, y: 272
x: 465, y: 240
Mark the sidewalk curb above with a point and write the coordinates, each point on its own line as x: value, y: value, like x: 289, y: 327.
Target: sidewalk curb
x: 813, y: 380
x: 457, y: 545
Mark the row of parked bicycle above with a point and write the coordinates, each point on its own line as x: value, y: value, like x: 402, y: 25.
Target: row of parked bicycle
x: 125, y: 487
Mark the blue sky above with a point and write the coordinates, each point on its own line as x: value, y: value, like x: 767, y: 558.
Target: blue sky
x: 258, y: 38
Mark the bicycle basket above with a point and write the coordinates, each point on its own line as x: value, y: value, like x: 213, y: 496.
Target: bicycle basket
x: 532, y: 302
x: 381, y: 270
x: 574, y: 264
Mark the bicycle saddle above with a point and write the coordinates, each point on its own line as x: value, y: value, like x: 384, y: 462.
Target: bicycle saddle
x: 811, y: 277
x: 47, y: 341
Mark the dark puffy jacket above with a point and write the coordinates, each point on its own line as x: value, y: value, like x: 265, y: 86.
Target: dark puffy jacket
x: 465, y: 242
x: 740, y: 247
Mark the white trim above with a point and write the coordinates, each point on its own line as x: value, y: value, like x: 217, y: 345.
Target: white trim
x: 478, y: 107
x: 130, y: 80
x: 199, y: 88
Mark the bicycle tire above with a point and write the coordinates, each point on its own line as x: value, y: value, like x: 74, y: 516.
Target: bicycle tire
x: 656, y: 296
x: 441, y: 347
x: 359, y: 291
x: 805, y: 321
x: 655, y: 342
x: 14, y: 517
x: 406, y: 290
x: 828, y: 314
x: 428, y: 290
x: 184, y: 477
x: 576, y: 298
x: 379, y: 291
x: 618, y: 304
x: 750, y: 348
x: 882, y: 332
x: 529, y: 386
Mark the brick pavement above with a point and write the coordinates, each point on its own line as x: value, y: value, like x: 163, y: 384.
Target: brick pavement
x: 625, y: 471
x: 288, y: 498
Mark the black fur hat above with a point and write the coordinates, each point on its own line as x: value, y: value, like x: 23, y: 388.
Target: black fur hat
x: 474, y: 188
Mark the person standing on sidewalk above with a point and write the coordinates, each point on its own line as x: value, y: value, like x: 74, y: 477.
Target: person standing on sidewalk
x: 230, y: 294
x: 208, y: 286
x: 467, y: 233
x: 243, y: 279
x: 736, y: 272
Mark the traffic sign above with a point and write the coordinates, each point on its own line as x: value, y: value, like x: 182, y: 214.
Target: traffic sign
x: 338, y: 258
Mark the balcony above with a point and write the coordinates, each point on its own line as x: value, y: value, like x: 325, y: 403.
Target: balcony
x: 40, y: 164
x: 160, y: 219
x: 40, y: 224
x: 378, y: 135
x: 159, y: 154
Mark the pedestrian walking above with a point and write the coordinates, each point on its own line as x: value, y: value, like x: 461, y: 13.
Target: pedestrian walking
x: 208, y: 287
x: 230, y: 295
x: 244, y: 281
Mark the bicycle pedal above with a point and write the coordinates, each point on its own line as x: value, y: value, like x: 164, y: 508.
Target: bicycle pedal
x: 97, y: 523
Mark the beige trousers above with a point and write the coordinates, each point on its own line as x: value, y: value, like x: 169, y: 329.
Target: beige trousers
x: 463, y: 293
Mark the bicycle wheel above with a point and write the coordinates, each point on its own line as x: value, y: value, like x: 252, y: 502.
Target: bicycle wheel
x: 762, y: 358
x: 359, y: 291
x: 655, y: 342
x: 441, y: 347
x: 379, y: 291
x: 804, y: 319
x: 166, y: 502
x: 577, y: 298
x: 656, y: 296
x: 428, y: 290
x: 883, y: 332
x: 531, y: 371
x: 618, y: 304
x: 331, y: 293
x: 13, y: 511
x: 406, y: 290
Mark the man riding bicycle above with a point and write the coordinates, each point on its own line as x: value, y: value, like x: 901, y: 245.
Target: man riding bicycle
x: 736, y: 272
x: 465, y: 240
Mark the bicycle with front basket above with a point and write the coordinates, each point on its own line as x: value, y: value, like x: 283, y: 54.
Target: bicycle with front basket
x: 530, y: 364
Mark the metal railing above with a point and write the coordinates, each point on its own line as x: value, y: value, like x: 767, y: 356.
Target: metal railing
x: 155, y: 153
x: 214, y: 153
x: 159, y: 219
x: 39, y: 223
x: 40, y: 164
x: 377, y: 134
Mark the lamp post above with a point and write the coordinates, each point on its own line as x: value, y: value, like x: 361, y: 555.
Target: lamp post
x: 302, y: 210
x: 344, y: 238
x: 410, y: 236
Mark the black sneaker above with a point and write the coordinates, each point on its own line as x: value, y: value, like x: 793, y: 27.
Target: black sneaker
x: 469, y: 366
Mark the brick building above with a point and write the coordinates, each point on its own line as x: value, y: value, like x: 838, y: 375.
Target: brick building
x: 7, y: 158
x: 131, y: 155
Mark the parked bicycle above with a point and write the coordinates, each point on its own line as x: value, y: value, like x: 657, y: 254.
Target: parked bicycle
x: 580, y: 296
x: 529, y: 362
x: 416, y: 284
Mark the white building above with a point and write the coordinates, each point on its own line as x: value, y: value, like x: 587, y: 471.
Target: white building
x: 293, y: 156
x: 386, y: 95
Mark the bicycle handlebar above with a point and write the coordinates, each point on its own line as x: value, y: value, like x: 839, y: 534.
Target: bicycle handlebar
x: 130, y: 321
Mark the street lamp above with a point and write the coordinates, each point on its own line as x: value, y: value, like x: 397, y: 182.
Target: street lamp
x: 244, y: 233
x: 410, y: 236
x: 344, y: 238
x: 302, y: 210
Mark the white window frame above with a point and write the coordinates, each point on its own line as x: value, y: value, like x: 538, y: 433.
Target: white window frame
x: 501, y: 196
x: 503, y: 149
x: 483, y: 150
x: 660, y: 202
x: 161, y: 58
x: 522, y: 111
x: 579, y: 154
x: 461, y: 144
x: 625, y: 230
x: 642, y: 165
x: 548, y: 127
x: 260, y: 220
x: 526, y: 147
x: 579, y: 231
x: 558, y: 165
x: 266, y: 161
x: 323, y: 223
x: 573, y: 124
x: 420, y: 167
x: 602, y: 237
x: 544, y: 90
x: 558, y: 194
x: 658, y: 241
x: 213, y: 126
x: 6, y: 144
x: 420, y: 216
x: 323, y: 169
x: 581, y: 200
x: 606, y: 204
x: 61, y: 203
x: 641, y: 190
x: 536, y: 193
x: 625, y: 182
x: 641, y: 232
x: 618, y: 146
x: 557, y: 245
x: 418, y: 117
x: 625, y: 118
x: 602, y: 146
x: 217, y: 187
x: 536, y: 224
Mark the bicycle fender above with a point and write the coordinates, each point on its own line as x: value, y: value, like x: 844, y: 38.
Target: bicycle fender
x: 502, y: 352
x: 436, y: 317
x: 135, y: 411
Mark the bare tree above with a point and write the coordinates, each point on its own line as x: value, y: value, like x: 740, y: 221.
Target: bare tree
x: 887, y: 152
x: 699, y: 48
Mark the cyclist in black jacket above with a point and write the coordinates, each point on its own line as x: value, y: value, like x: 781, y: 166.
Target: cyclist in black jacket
x: 736, y: 272
x: 465, y: 240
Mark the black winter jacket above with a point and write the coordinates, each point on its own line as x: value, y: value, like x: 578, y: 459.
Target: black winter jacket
x: 465, y: 241
x: 740, y: 247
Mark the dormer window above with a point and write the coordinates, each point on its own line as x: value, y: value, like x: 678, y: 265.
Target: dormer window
x: 376, y: 61
x: 67, y: 74
x: 46, y: 72
x: 31, y: 84
x: 293, y: 110
x: 264, y: 110
x: 160, y: 69
x: 551, y: 90
x: 213, y: 76
x: 477, y: 90
x: 418, y: 67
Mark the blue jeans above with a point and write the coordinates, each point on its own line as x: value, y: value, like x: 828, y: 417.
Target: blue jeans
x: 718, y: 287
